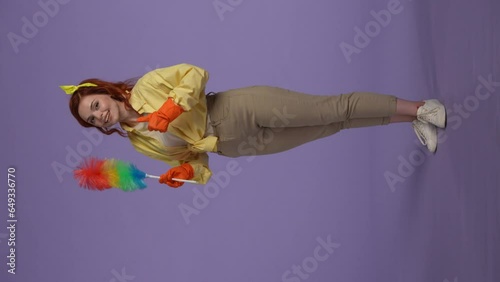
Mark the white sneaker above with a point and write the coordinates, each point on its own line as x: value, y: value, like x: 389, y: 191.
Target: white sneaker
x: 427, y: 134
x: 432, y: 112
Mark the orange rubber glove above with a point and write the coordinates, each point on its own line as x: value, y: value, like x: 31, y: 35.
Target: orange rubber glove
x: 159, y: 120
x: 184, y: 171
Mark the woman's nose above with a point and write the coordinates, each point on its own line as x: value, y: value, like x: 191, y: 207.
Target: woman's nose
x: 99, y: 115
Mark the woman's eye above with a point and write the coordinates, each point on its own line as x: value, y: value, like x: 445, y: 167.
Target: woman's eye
x: 97, y: 105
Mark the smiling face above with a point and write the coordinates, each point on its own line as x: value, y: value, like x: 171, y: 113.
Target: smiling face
x: 100, y: 110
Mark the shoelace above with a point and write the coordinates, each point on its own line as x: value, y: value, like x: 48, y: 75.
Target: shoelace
x: 420, y: 134
x: 425, y: 116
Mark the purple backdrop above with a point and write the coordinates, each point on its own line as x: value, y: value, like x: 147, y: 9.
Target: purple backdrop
x: 363, y: 205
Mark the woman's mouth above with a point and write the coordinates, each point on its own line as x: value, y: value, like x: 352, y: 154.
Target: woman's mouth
x: 107, y: 118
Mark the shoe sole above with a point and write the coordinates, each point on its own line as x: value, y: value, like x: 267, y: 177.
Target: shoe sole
x: 445, y: 117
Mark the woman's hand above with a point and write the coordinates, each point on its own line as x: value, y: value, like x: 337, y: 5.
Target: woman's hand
x: 159, y: 120
x: 184, y: 171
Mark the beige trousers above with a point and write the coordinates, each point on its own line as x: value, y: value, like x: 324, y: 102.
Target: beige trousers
x: 260, y: 120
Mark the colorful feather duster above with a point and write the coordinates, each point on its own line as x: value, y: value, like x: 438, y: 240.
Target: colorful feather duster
x: 96, y: 174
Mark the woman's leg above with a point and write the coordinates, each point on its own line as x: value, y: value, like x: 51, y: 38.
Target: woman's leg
x: 400, y: 118
x: 407, y: 108
x: 271, y: 107
x: 267, y: 140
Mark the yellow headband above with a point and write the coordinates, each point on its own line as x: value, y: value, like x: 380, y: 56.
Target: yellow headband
x: 70, y: 89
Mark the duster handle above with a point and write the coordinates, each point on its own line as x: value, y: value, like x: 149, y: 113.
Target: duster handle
x: 175, y: 179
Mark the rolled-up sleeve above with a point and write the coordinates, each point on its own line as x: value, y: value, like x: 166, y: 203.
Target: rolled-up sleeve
x: 199, y: 162
x: 202, y: 172
x: 184, y: 83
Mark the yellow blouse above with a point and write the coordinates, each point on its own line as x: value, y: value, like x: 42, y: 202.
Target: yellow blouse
x: 185, y: 84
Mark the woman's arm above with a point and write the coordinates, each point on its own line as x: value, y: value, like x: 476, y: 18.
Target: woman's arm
x: 202, y: 172
x: 184, y: 83
x: 199, y: 162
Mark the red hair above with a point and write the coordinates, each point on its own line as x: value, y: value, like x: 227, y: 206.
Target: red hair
x: 119, y: 91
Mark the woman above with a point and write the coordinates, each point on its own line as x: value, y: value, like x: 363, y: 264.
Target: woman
x: 166, y: 116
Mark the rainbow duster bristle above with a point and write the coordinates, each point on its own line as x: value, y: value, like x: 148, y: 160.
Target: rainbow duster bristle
x: 95, y: 174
